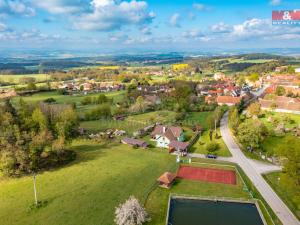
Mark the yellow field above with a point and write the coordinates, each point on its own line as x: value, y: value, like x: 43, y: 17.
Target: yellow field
x: 109, y: 67
x: 180, y: 66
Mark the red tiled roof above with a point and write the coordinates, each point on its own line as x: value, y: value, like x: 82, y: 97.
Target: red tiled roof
x: 167, y: 178
x: 172, y: 133
x: 179, y: 145
x: 228, y: 99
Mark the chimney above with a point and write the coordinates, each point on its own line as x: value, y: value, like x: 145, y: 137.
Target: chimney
x: 164, y: 129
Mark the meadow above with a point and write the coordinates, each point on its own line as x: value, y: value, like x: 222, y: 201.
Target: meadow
x: 103, y: 176
x: 16, y: 78
x: 286, y: 196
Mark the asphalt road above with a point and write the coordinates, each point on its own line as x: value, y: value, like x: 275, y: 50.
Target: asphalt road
x: 280, y: 209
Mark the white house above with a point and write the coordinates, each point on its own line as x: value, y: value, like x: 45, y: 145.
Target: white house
x: 297, y: 70
x: 163, y: 135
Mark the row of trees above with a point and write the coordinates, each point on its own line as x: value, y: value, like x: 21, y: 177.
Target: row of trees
x: 35, y: 137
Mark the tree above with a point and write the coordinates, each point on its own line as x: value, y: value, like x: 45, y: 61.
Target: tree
x: 254, y: 77
x: 251, y: 133
x: 131, y: 213
x: 254, y: 109
x: 234, y: 119
x: 212, y: 147
x: 290, y: 178
x: 280, y: 91
x: 102, y: 99
x: 31, y: 86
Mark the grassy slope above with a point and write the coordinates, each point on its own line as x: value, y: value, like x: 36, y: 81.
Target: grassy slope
x: 197, y: 118
x: 117, y: 96
x: 88, y: 190
x: 130, y: 124
x: 16, y: 78
x: 201, y: 148
x: 272, y: 179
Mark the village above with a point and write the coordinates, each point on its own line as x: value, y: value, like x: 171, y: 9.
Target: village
x: 177, y: 114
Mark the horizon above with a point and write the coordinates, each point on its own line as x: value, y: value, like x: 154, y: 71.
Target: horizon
x: 168, y: 26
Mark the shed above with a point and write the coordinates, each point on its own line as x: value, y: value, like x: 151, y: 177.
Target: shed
x: 166, y: 180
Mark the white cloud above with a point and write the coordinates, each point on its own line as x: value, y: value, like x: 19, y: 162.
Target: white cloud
x: 62, y: 6
x: 275, y: 2
x: 109, y: 15
x: 174, y: 20
x: 3, y: 27
x: 221, y: 28
x: 199, y: 6
x: 16, y: 7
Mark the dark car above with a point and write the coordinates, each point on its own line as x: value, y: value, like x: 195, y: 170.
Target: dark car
x: 210, y: 156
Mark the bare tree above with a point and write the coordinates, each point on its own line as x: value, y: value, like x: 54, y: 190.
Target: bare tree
x: 131, y: 213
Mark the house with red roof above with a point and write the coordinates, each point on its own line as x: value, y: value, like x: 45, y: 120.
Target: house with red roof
x: 228, y: 100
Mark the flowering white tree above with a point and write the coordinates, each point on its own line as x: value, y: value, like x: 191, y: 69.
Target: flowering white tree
x: 131, y: 213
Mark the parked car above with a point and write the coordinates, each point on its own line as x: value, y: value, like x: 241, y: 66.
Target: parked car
x: 211, y: 156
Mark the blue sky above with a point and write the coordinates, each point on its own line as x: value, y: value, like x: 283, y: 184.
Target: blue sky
x: 172, y: 25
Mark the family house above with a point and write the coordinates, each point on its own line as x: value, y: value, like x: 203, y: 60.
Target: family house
x: 228, y: 100
x: 163, y: 135
x: 179, y: 146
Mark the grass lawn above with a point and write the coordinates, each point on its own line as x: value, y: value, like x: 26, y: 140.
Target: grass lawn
x: 272, y: 179
x: 272, y: 143
x: 153, y: 117
x: 87, y: 190
x: 102, y: 125
x: 16, y: 78
x: 131, y: 123
x: 294, y: 119
x: 158, y: 200
x: 194, y: 118
x: 116, y: 96
x: 200, y: 145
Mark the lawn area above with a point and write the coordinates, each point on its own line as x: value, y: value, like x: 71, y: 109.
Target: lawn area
x: 194, y: 118
x: 87, y: 190
x: 102, y: 125
x: 272, y: 143
x: 158, y: 200
x: 289, y: 120
x: 200, y: 145
x: 116, y: 96
x: 272, y: 179
x: 16, y: 78
x: 153, y: 117
x: 131, y: 123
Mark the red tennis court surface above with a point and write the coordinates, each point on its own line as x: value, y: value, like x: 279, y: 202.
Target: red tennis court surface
x: 207, y: 174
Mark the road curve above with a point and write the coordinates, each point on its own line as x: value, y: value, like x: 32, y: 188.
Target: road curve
x: 280, y: 209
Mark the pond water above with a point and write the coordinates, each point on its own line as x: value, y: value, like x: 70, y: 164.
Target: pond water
x: 207, y: 212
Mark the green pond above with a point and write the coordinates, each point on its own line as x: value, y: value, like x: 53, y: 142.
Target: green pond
x: 207, y: 212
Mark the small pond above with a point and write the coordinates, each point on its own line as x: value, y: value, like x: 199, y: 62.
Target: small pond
x: 209, y: 212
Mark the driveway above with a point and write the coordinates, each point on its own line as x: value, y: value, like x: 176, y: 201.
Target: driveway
x: 254, y: 174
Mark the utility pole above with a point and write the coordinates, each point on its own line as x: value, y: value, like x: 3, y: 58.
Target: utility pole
x: 34, y: 188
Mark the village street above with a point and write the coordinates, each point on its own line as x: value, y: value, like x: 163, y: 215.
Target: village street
x: 254, y: 174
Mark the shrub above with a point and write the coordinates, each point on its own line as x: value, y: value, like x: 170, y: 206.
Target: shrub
x: 212, y: 147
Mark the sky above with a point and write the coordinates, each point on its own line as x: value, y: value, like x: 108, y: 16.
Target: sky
x: 146, y: 25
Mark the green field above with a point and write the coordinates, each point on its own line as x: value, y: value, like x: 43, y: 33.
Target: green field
x: 102, y: 125
x: 289, y: 120
x: 273, y: 143
x: 153, y: 117
x: 131, y: 123
x: 272, y: 179
x: 88, y: 190
x: 16, y: 78
x: 194, y: 118
x: 116, y: 96
x: 200, y: 145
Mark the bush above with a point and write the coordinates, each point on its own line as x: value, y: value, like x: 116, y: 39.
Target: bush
x: 50, y: 100
x: 212, y: 147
